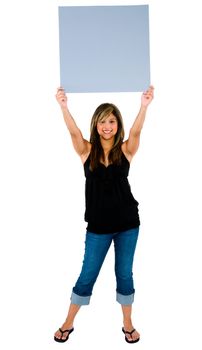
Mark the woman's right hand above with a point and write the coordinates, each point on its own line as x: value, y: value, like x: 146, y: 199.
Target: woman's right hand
x: 61, y: 97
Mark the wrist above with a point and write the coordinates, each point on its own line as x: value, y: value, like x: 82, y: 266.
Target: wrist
x: 64, y: 108
x: 143, y: 108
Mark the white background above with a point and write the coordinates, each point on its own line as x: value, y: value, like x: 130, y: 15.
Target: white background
x: 42, y: 187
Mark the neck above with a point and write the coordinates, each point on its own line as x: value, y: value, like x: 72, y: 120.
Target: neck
x: 107, y: 145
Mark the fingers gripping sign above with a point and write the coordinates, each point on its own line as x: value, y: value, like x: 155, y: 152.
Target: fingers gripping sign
x: 61, y: 97
x: 147, y: 96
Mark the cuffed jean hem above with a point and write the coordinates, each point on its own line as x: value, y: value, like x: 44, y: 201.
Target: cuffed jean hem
x: 79, y: 300
x: 125, y: 299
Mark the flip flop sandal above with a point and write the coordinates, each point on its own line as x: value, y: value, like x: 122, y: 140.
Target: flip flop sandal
x: 60, y: 340
x: 130, y: 341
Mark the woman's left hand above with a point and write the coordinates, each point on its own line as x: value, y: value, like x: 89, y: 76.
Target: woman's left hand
x: 147, y: 96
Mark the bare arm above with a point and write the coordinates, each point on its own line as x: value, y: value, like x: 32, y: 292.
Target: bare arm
x: 81, y: 146
x: 131, y: 145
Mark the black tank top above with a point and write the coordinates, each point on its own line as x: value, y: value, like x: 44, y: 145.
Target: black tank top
x: 110, y: 205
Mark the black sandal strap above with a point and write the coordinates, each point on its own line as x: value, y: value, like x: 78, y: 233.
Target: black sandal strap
x: 67, y: 330
x: 126, y: 332
x: 62, y: 332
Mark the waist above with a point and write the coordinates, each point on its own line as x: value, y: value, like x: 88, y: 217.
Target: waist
x: 114, y: 218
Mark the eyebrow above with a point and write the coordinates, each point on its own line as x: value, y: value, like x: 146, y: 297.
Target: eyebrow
x: 110, y: 119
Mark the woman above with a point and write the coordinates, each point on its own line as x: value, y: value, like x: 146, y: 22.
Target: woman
x: 111, y: 210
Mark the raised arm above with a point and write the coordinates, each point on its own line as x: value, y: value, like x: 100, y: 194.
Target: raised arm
x: 130, y: 146
x: 81, y: 146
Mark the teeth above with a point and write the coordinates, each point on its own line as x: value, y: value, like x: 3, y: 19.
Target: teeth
x: 107, y: 132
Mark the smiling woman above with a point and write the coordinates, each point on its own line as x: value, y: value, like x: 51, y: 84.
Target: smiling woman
x: 107, y: 126
x: 107, y: 135
x: 106, y: 160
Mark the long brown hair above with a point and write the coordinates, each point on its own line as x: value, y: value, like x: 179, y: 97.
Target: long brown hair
x: 97, y: 153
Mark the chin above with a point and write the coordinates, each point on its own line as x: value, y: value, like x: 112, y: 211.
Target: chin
x: 107, y: 137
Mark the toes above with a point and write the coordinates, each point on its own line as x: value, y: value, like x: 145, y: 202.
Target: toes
x: 57, y: 335
x: 130, y: 337
x: 135, y: 335
x: 64, y: 336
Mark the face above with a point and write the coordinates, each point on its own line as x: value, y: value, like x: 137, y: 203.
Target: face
x: 107, y: 127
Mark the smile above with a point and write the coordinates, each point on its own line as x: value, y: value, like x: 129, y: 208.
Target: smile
x: 107, y: 131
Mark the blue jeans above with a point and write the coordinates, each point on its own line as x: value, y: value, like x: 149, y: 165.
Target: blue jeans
x: 96, y: 248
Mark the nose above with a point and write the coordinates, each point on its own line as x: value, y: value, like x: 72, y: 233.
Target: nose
x: 107, y: 125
